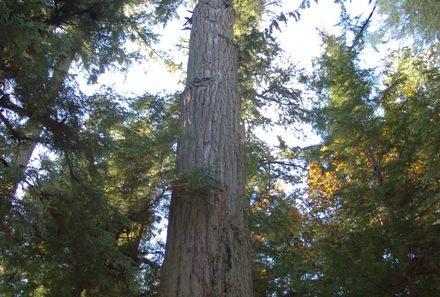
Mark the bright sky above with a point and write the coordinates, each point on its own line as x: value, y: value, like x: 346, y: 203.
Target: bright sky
x: 300, y: 40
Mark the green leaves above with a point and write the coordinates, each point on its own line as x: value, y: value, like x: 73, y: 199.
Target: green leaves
x: 374, y: 149
x: 89, y: 198
x: 415, y: 19
x: 366, y: 222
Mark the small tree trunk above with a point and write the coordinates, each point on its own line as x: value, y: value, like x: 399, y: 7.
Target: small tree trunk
x: 33, y: 129
x: 207, y: 251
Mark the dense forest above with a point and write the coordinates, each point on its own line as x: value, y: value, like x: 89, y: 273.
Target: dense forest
x: 87, y: 181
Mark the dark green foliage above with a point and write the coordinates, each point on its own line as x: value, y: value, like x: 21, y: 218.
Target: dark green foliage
x: 263, y: 82
x: 73, y: 245
x: 80, y: 219
x: 86, y: 211
x: 373, y: 198
x: 367, y: 222
x: 198, y: 182
x: 73, y: 220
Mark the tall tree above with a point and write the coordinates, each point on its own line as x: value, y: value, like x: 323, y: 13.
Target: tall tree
x: 70, y: 231
x: 374, y: 176
x: 42, y: 40
x: 207, y: 251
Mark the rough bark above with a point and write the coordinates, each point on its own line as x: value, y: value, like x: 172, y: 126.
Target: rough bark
x: 207, y: 250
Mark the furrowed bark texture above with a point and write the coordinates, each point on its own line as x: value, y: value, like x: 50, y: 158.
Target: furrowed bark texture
x: 207, y: 250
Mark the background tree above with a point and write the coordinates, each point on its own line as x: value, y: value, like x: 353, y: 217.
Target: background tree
x: 413, y: 19
x: 70, y: 231
x: 362, y: 206
x: 380, y: 159
x: 368, y: 220
x: 79, y: 219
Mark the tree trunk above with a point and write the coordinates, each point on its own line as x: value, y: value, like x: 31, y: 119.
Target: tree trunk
x: 207, y: 251
x: 33, y: 129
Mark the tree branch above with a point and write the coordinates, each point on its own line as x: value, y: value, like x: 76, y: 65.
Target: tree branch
x: 364, y: 26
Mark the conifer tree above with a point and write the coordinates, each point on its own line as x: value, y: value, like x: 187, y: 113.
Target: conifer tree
x: 207, y: 252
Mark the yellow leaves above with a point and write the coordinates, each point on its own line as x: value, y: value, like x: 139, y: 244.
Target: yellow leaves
x: 321, y: 183
x: 392, y: 155
x: 340, y: 167
x: 409, y: 89
x: 417, y: 169
x: 40, y: 291
x: 128, y: 236
x: 260, y: 238
x: 279, y: 188
x: 322, y: 187
x: 262, y: 205
x: 414, y: 169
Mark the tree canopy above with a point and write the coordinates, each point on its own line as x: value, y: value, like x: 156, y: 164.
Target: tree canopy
x: 86, y: 179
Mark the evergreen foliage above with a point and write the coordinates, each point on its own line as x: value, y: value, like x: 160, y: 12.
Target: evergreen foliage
x: 414, y: 19
x: 72, y: 220
x: 366, y: 224
x: 356, y: 215
x: 374, y: 166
